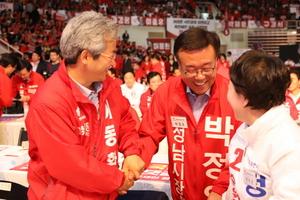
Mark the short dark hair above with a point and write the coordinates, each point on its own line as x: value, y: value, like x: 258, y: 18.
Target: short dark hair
x: 155, y: 56
x: 151, y: 75
x: 55, y: 50
x: 112, y: 70
x: 196, y: 38
x: 260, y: 78
x: 22, y: 64
x: 128, y: 73
x: 295, y: 70
x: 223, y: 54
x: 8, y: 59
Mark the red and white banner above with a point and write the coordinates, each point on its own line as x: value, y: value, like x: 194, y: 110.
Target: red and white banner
x: 161, y: 45
x: 273, y: 24
x: 6, y: 6
x: 137, y: 20
x: 236, y: 24
x: 175, y: 26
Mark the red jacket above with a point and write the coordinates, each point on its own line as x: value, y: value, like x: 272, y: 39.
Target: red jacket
x: 145, y: 101
x: 160, y: 69
x: 146, y: 67
x: 6, y: 97
x: 293, y: 108
x: 197, y: 151
x: 139, y: 74
x: 27, y: 88
x: 74, y: 154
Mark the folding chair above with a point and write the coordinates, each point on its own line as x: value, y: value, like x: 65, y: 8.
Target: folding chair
x: 143, y: 195
x: 12, y: 191
x: 22, y: 136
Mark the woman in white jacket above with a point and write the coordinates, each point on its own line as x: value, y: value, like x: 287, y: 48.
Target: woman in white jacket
x: 264, y: 154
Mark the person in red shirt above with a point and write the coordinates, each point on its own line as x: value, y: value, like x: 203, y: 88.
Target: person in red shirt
x: 8, y: 64
x: 153, y: 80
x: 79, y: 120
x: 157, y: 66
x: 146, y: 64
x: 25, y: 81
x: 139, y: 73
x: 224, y: 61
x: 193, y: 112
x: 292, y: 96
x: 112, y: 73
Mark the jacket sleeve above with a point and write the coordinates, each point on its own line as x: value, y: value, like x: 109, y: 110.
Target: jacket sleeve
x: 52, y: 132
x: 143, y: 103
x: 221, y: 184
x: 152, y: 130
x: 129, y: 142
x: 6, y: 96
x: 15, y: 89
x: 39, y: 81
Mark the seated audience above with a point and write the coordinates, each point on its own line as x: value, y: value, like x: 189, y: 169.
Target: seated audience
x: 112, y: 73
x: 133, y: 91
x: 154, y: 80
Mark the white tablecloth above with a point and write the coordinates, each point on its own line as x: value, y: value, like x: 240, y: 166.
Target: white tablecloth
x: 10, y: 130
x: 13, y: 164
x: 155, y: 177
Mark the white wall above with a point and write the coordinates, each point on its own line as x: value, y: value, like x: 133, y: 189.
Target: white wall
x: 139, y: 34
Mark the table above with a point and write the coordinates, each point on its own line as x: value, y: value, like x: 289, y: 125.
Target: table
x: 156, y: 176
x: 10, y: 129
x: 14, y: 165
x: 12, y: 162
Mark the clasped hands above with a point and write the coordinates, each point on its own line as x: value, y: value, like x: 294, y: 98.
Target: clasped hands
x: 133, y: 166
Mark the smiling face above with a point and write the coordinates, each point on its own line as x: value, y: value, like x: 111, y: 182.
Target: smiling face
x: 197, y: 60
x: 96, y: 69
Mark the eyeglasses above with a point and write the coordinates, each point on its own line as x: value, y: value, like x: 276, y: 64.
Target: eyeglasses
x: 203, y: 71
x: 111, y: 57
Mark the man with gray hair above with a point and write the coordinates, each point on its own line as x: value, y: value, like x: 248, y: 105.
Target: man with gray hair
x: 79, y: 120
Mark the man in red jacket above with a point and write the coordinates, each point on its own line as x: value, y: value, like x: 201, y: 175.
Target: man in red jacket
x: 192, y: 111
x: 8, y: 64
x: 26, y: 82
x: 154, y: 80
x: 79, y: 120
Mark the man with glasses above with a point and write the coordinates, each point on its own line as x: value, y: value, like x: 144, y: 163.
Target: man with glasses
x: 192, y: 111
x: 25, y: 82
x: 79, y: 120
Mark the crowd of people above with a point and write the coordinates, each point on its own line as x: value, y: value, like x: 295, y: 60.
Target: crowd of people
x: 89, y: 115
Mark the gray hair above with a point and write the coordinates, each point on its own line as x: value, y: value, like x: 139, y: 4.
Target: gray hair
x: 88, y: 31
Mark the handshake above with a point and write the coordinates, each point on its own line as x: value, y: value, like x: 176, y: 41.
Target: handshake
x: 132, y: 167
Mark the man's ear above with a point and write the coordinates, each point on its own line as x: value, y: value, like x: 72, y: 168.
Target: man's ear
x: 245, y: 101
x: 84, y: 55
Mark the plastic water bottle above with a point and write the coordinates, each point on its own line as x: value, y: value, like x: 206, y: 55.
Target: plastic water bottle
x: 25, y: 108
